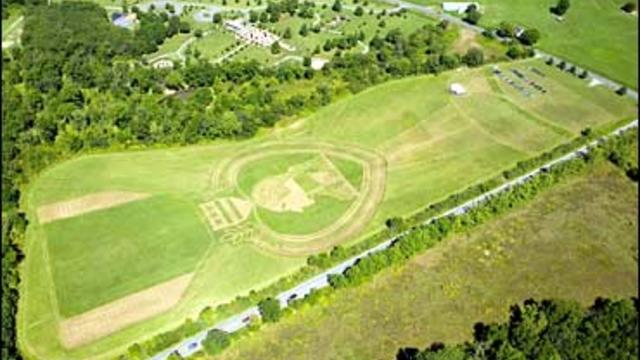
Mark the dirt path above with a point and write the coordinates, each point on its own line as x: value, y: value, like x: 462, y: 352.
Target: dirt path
x: 86, y: 204
x: 109, y: 318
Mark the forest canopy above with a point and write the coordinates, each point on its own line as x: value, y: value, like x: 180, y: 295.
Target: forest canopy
x: 549, y: 329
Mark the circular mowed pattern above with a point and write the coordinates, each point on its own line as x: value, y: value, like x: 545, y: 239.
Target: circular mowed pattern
x: 308, y: 196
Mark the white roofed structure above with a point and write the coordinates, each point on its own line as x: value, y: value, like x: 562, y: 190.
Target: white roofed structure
x: 458, y: 7
x: 457, y: 89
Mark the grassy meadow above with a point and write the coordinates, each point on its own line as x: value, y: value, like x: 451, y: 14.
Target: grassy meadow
x: 578, y: 240
x: 594, y: 34
x: 167, y: 256
x: 433, y: 144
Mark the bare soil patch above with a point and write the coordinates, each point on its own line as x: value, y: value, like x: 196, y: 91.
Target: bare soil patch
x: 82, y: 205
x: 280, y: 194
x: 109, y: 318
x: 466, y: 41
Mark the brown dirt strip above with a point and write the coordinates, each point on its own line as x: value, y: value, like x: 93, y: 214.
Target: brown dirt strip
x: 85, y: 204
x: 466, y: 41
x: 109, y: 318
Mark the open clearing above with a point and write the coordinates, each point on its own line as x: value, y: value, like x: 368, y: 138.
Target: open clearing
x: 595, y: 34
x: 578, y: 240
x: 394, y: 154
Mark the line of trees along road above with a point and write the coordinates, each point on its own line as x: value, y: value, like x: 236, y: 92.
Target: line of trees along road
x: 78, y: 84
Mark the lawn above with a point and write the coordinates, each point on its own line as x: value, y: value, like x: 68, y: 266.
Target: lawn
x: 86, y: 278
x: 170, y: 46
x: 351, y: 170
x: 272, y: 165
x: 215, y: 44
x: 324, y: 212
x: 578, y: 240
x: 431, y: 143
x: 595, y: 34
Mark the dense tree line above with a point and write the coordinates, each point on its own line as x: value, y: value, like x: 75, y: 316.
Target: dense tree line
x: 549, y: 329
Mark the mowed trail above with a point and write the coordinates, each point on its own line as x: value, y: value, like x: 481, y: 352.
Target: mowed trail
x: 109, y: 318
x: 352, y: 221
x: 88, y: 203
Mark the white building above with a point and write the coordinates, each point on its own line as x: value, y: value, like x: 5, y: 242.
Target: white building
x: 255, y: 35
x: 458, y: 7
x: 163, y: 64
x: 457, y: 89
x: 518, y: 30
x: 318, y: 63
x: 126, y: 21
x: 250, y: 33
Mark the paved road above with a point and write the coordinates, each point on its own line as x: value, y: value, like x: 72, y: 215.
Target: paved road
x: 237, y: 322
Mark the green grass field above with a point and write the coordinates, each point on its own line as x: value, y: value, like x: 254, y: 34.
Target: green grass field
x: 170, y: 46
x: 431, y: 145
x: 595, y: 34
x: 215, y: 44
x: 578, y: 240
x: 351, y: 170
x: 119, y: 229
x: 323, y: 213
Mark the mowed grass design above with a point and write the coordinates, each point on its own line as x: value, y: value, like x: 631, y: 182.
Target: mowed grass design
x: 351, y: 170
x: 97, y: 257
x: 254, y: 172
x: 324, y: 212
x: 433, y: 145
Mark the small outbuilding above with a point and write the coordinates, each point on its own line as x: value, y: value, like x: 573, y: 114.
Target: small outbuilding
x: 163, y: 64
x: 457, y: 89
x: 126, y: 21
x: 458, y: 7
x: 318, y: 63
x: 518, y: 31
